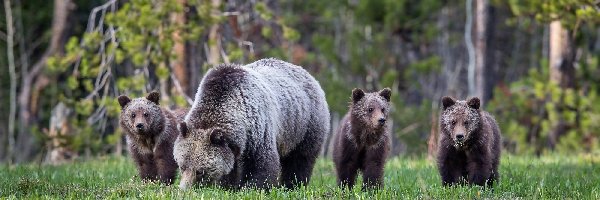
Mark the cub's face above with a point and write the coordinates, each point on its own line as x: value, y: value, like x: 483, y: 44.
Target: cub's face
x: 372, y: 109
x: 204, y: 155
x: 141, y: 116
x: 460, y: 119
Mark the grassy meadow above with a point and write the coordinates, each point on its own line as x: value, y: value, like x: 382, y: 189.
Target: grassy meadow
x: 546, y: 177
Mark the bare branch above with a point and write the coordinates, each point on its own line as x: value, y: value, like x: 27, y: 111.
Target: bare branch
x: 106, y: 59
x: 180, y: 90
x: 232, y: 13
x: 249, y: 44
x: 92, y: 20
x: 224, y: 55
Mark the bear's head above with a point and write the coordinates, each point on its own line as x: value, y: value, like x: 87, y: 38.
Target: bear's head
x: 204, y: 155
x: 371, y: 110
x: 142, y: 116
x: 460, y: 119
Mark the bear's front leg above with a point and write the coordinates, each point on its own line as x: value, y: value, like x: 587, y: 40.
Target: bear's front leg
x: 262, y: 169
x: 450, y: 170
x: 145, y: 164
x: 373, y: 167
x: 478, y: 167
x: 165, y: 163
x: 234, y: 178
x: 346, y: 163
x: 346, y: 173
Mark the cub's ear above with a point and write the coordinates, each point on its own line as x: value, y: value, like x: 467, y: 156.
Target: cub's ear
x: 123, y: 100
x: 357, y: 94
x: 447, y: 102
x: 474, y: 103
x: 183, y: 129
x: 386, y: 93
x: 154, y: 97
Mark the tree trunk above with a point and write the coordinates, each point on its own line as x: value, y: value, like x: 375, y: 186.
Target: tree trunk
x: 562, y: 73
x: 13, y: 79
x: 179, y: 65
x: 214, y: 38
x: 25, y: 140
x: 432, y: 142
x: 470, y: 49
x: 57, y: 150
x: 482, y: 65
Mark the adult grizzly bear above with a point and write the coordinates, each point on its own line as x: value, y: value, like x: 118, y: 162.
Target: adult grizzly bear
x: 150, y: 131
x: 362, y: 142
x: 257, y: 125
x: 469, y: 146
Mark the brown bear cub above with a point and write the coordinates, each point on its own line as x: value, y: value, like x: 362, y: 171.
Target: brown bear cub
x: 469, y: 145
x: 150, y: 131
x: 362, y: 142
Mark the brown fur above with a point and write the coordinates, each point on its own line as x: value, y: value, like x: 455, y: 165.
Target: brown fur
x: 362, y: 142
x: 151, y: 132
x: 475, y: 157
x: 259, y: 125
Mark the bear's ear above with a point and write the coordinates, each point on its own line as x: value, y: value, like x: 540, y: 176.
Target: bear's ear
x: 447, y: 102
x: 357, y: 94
x: 219, y: 138
x: 386, y: 93
x: 183, y: 129
x: 154, y: 96
x: 123, y: 100
x: 474, y: 103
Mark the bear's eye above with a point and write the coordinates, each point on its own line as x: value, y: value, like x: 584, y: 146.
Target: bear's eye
x: 383, y: 110
x: 133, y: 115
x: 370, y: 109
x: 466, y: 123
x: 453, y: 122
x: 145, y: 114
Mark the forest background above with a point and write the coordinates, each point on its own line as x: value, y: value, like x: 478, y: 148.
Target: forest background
x: 535, y: 64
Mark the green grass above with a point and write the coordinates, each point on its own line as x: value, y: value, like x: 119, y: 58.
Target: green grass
x: 548, y: 177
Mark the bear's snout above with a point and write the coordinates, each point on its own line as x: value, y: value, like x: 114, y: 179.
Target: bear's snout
x: 460, y: 137
x: 187, y: 178
x: 140, y: 126
x: 381, y: 121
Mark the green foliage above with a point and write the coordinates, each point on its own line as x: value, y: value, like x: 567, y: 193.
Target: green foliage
x: 142, y: 40
x: 554, y: 177
x: 431, y: 65
x: 290, y: 34
x: 344, y: 44
x: 531, y: 108
x: 132, y: 52
x: 412, y: 124
x: 337, y: 92
x: 355, y: 42
x: 413, y: 19
x: 569, y: 12
x: 264, y: 12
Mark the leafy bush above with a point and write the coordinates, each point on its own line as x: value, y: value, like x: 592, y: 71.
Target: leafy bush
x: 533, y: 107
